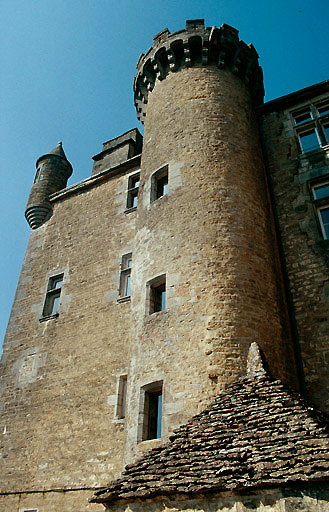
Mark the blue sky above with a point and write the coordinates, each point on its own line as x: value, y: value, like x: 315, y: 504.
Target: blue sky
x: 67, y: 68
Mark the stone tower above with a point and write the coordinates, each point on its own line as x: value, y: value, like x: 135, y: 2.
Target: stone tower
x: 144, y: 285
x: 53, y: 171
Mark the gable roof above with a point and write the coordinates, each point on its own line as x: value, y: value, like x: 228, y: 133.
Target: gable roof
x: 255, y: 434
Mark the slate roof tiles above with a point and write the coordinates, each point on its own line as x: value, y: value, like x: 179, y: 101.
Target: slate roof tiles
x: 257, y: 433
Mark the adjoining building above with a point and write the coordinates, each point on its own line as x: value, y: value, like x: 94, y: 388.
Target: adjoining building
x: 144, y: 287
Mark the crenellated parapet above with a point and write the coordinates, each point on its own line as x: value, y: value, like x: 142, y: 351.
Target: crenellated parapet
x: 197, y: 46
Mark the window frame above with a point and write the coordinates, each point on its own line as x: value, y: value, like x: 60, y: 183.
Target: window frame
x: 132, y: 192
x: 154, y: 287
x: 320, y: 204
x: 315, y: 123
x: 151, y: 425
x: 156, y: 179
x: 125, y: 277
x: 53, y: 292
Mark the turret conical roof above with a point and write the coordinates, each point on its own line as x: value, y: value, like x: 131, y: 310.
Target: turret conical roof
x: 58, y: 150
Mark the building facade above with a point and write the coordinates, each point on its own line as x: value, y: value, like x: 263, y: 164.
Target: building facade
x: 144, y: 285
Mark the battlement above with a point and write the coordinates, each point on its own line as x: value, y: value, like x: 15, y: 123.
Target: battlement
x: 197, y: 46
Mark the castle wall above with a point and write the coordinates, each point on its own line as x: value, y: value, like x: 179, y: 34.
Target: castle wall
x: 51, y: 502
x: 60, y: 375
x: 305, y: 250
x: 212, y: 237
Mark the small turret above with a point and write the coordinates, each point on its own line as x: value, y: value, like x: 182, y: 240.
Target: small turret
x: 53, y: 171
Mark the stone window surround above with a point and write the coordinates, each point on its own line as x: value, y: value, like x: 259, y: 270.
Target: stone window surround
x: 319, y: 204
x: 121, y: 406
x: 52, y: 293
x: 125, y: 278
x: 132, y: 192
x: 316, y: 123
x: 155, y: 387
x: 158, y: 175
x: 151, y: 286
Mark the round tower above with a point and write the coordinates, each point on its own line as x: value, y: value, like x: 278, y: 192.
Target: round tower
x: 204, y: 232
x: 53, y: 171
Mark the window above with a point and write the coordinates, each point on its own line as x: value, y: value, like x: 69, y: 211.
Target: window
x: 133, y: 186
x: 151, y: 400
x: 122, y: 396
x: 320, y: 196
x: 53, y: 295
x: 125, y: 277
x: 159, y: 183
x: 158, y: 294
x: 312, y: 125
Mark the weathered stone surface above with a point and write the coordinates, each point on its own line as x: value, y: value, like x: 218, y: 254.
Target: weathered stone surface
x: 256, y: 434
x: 305, y: 251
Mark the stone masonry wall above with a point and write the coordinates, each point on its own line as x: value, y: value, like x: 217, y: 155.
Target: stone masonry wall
x: 60, y: 376
x: 49, y: 502
x: 306, y: 252
x: 212, y: 237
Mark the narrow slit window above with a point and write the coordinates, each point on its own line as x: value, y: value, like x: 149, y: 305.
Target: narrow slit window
x: 53, y: 294
x: 125, y: 276
x: 324, y: 221
x: 122, y: 397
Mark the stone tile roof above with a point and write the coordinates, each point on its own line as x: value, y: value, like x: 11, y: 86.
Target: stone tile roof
x: 255, y: 434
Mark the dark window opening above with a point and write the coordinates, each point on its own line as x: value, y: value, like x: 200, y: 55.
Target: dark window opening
x: 158, y: 296
x: 122, y: 397
x: 152, y: 416
x: 133, y: 187
x: 162, y: 186
x: 159, y: 184
x: 53, y: 295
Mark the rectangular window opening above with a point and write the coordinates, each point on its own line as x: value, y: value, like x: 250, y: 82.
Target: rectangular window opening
x: 162, y: 186
x: 53, y: 294
x: 323, y: 108
x: 324, y: 221
x: 122, y: 397
x: 158, y: 295
x: 320, y: 191
x: 309, y: 140
x: 152, y: 414
x: 320, y: 196
x: 312, y: 125
x: 133, y: 187
x: 302, y: 116
x: 125, y: 276
x: 159, y: 183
